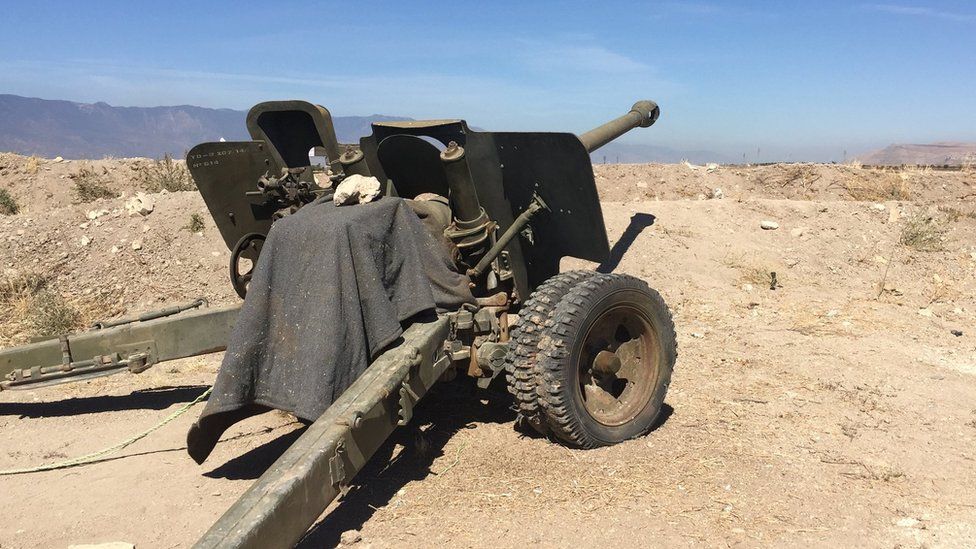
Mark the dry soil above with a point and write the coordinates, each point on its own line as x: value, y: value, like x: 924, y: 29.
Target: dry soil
x: 837, y: 409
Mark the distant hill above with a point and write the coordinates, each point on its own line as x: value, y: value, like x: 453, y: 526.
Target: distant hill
x: 936, y: 154
x: 82, y: 130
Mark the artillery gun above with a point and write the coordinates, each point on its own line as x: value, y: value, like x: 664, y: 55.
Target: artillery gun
x: 588, y: 356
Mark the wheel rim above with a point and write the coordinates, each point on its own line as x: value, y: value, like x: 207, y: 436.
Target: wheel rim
x: 243, y: 260
x: 619, y: 365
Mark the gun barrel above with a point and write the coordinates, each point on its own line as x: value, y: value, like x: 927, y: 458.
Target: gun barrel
x: 642, y: 114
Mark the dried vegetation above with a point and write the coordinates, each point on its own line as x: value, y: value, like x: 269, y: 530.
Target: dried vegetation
x: 32, y: 307
x: 164, y: 175
x: 923, y: 232
x: 91, y: 184
x: 195, y: 224
x: 877, y: 186
x: 8, y: 206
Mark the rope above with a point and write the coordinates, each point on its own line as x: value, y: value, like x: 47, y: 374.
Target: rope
x: 93, y: 457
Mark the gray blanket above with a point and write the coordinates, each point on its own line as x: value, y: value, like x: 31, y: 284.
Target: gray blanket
x: 331, y: 290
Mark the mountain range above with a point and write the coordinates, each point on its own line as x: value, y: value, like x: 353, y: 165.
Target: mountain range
x: 68, y: 129
x: 94, y: 130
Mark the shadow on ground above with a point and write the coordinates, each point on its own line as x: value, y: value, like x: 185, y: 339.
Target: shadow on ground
x: 638, y: 222
x: 147, y: 399
x: 253, y: 463
x: 448, y: 408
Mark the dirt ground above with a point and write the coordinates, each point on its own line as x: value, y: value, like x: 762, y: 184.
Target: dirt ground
x: 837, y: 409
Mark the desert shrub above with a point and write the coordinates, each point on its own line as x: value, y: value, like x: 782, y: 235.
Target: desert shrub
x: 8, y: 206
x: 955, y: 214
x: 21, y: 286
x: 90, y: 185
x: 32, y: 165
x: 165, y: 175
x: 28, y: 304
x: 50, y: 314
x: 195, y: 224
x: 788, y: 176
x: 922, y: 232
x: 883, y: 187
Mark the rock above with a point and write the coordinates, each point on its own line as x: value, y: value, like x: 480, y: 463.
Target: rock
x: 115, y: 249
x: 95, y: 214
x: 711, y: 167
x: 58, y: 159
x: 925, y: 312
x: 108, y: 545
x: 717, y: 193
x: 908, y: 522
x: 768, y: 225
x: 878, y: 207
x: 957, y: 333
x: 350, y: 537
x: 356, y: 189
x: 797, y: 232
x: 137, y: 245
x: 747, y: 287
x: 85, y: 241
x: 697, y: 335
x: 140, y: 204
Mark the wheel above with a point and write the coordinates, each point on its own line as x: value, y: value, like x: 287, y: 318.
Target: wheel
x: 523, y: 344
x: 605, y: 361
x: 243, y: 259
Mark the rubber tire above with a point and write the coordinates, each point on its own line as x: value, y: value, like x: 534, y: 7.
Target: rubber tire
x: 558, y: 381
x: 521, y: 372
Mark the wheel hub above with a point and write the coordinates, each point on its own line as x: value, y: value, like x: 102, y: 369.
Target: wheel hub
x: 618, y: 365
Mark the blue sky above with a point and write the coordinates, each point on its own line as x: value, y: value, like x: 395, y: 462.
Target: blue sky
x: 791, y: 80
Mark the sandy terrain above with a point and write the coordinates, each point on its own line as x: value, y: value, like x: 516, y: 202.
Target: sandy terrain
x: 837, y: 409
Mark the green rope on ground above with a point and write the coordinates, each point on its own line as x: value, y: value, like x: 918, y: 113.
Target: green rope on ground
x: 93, y: 457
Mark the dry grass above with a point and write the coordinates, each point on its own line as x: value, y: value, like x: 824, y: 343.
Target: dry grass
x: 955, y: 214
x: 165, y: 175
x: 32, y: 165
x: 14, y: 288
x: 8, y: 206
x: 922, y: 232
x: 90, y: 185
x: 757, y: 276
x: 794, y: 176
x: 195, y: 224
x: 50, y: 314
x: 752, y: 272
x: 876, y: 186
x: 31, y: 307
x: 810, y: 323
